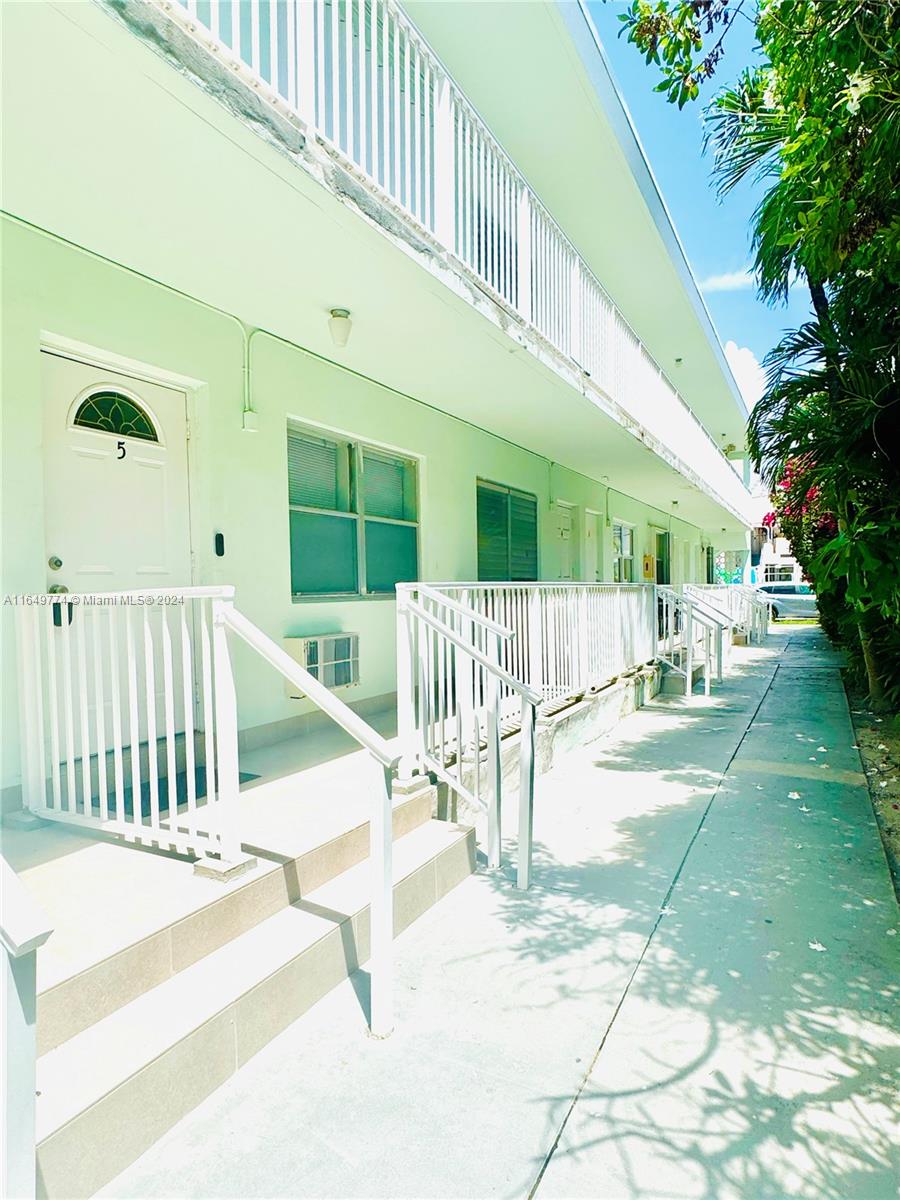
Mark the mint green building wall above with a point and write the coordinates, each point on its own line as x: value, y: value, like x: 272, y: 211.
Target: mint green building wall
x: 238, y: 479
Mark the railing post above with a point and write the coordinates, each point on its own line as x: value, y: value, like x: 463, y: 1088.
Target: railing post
x: 381, y: 908
x: 30, y: 681
x: 535, y: 641
x: 225, y: 700
x: 707, y: 656
x: 18, y: 1003
x: 583, y: 639
x: 444, y: 170
x: 494, y: 853
x: 406, y: 701
x: 523, y: 248
x: 720, y: 638
x: 23, y: 930
x: 526, y: 797
x: 306, y: 61
x: 689, y: 649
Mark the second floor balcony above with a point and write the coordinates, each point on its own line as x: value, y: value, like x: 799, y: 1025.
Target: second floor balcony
x: 358, y: 78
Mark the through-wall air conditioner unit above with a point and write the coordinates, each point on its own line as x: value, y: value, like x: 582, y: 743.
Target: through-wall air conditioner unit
x: 332, y: 658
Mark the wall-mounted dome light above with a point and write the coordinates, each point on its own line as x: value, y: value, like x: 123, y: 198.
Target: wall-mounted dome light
x: 339, y: 325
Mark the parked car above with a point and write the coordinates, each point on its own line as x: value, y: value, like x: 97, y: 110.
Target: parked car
x: 790, y: 599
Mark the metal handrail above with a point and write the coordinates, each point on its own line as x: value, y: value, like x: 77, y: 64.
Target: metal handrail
x: 463, y: 610
x: 722, y: 618
x: 409, y: 611
x: 311, y: 687
x: 687, y: 602
x: 515, y: 685
x: 381, y: 837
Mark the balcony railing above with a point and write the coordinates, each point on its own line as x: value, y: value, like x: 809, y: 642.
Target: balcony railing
x: 359, y: 74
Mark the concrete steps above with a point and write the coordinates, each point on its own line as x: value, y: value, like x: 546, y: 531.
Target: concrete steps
x: 674, y: 682
x: 179, y: 918
x: 111, y: 1088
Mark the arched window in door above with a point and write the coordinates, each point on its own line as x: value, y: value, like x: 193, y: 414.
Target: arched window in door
x: 113, y: 412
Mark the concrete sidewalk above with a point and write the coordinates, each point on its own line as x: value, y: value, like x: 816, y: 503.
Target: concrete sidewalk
x: 693, y: 1001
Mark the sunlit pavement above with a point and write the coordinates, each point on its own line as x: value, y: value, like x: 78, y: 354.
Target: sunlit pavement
x: 695, y: 999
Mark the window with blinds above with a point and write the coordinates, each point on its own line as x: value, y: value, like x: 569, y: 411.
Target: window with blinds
x: 353, y: 517
x: 314, y: 471
x: 507, y: 534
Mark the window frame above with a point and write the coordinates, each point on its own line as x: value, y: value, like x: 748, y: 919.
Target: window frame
x: 778, y: 573
x: 96, y: 391
x: 509, y: 491
x: 356, y: 449
x: 618, y: 560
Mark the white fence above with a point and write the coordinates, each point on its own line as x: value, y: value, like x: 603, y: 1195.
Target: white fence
x: 748, y: 611
x: 453, y: 692
x: 691, y: 631
x: 473, y: 657
x: 128, y: 715
x: 129, y: 726
x: 567, y: 636
x: 359, y: 73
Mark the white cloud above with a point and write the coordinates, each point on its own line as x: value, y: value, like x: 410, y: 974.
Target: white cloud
x: 731, y: 281
x: 751, y: 378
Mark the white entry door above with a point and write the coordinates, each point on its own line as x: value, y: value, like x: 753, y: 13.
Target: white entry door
x: 568, y: 549
x: 116, y: 520
x: 115, y: 480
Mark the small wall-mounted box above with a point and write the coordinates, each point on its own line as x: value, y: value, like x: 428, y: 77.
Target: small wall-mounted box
x: 332, y: 658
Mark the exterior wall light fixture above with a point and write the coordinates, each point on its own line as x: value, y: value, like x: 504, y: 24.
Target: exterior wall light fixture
x: 339, y: 325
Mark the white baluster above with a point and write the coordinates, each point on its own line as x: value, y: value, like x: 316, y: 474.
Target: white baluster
x: 187, y: 682
x: 444, y: 191
x: 116, y: 714
x: 405, y: 684
x: 494, y: 852
x: 169, y: 722
x: 64, y: 610
x: 226, y: 737
x: 97, y: 614
x: 134, y: 729
x: 526, y: 796
x: 84, y: 707
x: 150, y: 699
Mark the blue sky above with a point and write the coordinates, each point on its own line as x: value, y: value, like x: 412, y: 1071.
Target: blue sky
x: 716, y: 235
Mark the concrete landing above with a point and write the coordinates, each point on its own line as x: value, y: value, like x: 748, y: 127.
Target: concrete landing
x: 694, y: 1000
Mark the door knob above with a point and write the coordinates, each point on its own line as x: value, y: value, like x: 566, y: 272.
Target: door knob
x: 54, y: 563
x: 57, y: 589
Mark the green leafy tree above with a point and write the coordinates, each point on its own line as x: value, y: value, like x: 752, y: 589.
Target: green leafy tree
x: 817, y: 121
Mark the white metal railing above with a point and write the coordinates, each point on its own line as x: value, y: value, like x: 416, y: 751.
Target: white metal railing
x: 384, y: 761
x: 569, y: 637
x: 23, y: 930
x: 361, y: 75
x: 690, y: 631
x: 129, y: 725
x: 472, y: 657
x: 451, y: 689
x: 128, y: 716
x: 749, y: 612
